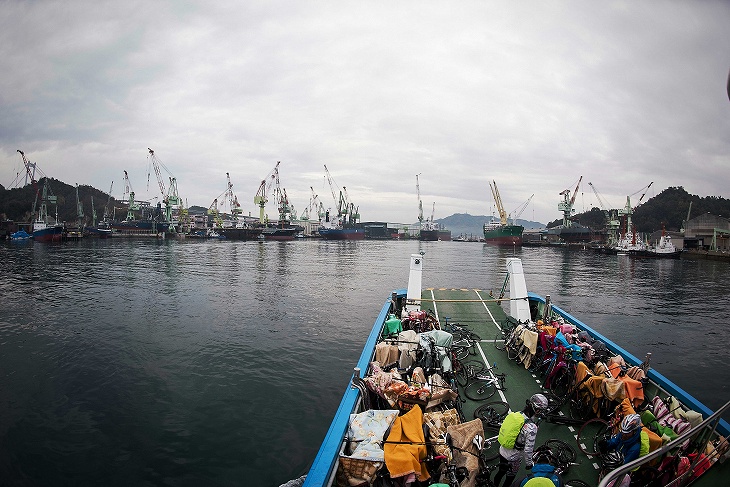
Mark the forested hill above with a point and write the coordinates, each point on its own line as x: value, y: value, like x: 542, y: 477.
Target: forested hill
x: 16, y: 203
x: 669, y: 209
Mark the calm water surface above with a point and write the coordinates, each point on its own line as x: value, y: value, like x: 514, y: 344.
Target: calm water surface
x: 131, y: 362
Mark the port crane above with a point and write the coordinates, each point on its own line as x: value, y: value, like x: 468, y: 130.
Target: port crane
x: 108, y: 200
x: 520, y: 209
x: 498, y: 202
x: 346, y: 210
x: 128, y: 198
x: 80, y: 209
x: 315, y: 205
x: 612, y: 222
x: 261, y: 197
x: 566, y: 206
x: 170, y: 197
x: 628, y: 210
x: 286, y: 209
x: 429, y: 223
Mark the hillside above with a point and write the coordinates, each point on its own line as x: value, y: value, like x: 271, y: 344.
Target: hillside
x: 668, y: 209
x: 466, y: 224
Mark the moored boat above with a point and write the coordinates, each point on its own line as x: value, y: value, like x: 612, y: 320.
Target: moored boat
x: 386, y: 388
x: 45, y: 228
x: 500, y: 231
x: 664, y: 249
x: 502, y: 235
x: 280, y: 232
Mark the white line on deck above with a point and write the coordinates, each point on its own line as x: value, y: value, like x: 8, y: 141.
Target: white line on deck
x: 485, y: 307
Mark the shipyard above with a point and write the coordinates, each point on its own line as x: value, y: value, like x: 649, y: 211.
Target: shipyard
x: 614, y: 232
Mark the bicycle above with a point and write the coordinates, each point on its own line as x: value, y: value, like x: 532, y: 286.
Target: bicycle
x: 455, y: 474
x: 482, y: 387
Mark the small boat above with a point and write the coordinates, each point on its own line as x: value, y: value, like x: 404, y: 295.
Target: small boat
x: 386, y: 388
x: 20, y: 235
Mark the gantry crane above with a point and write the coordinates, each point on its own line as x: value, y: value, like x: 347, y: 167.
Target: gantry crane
x: 261, y: 197
x: 566, y: 206
x: 498, y: 202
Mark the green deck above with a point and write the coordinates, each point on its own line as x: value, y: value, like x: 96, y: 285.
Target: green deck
x: 472, y: 307
x: 483, y: 315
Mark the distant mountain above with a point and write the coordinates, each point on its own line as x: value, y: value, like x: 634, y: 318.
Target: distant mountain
x: 466, y: 224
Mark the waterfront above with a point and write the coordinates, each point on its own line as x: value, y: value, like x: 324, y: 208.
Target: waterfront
x: 221, y: 363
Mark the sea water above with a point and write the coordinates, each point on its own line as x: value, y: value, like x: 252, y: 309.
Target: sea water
x: 217, y: 363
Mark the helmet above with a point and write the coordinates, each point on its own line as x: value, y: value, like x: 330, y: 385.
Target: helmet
x: 612, y: 460
x: 630, y: 423
x: 539, y: 403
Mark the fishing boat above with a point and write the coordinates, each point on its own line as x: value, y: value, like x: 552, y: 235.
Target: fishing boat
x: 392, y: 397
x: 664, y: 249
x: 45, y: 228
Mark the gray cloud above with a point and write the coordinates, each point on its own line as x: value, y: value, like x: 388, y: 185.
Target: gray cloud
x: 531, y: 95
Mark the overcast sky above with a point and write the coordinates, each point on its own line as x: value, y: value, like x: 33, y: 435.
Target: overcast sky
x: 529, y: 94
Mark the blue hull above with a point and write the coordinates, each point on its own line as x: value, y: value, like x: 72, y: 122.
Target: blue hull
x: 342, y: 233
x: 49, y: 234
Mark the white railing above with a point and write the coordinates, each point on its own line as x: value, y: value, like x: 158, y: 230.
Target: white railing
x: 705, y: 428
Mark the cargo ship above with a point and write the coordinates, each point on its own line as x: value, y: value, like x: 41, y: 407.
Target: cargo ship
x: 433, y: 235
x: 500, y: 232
x: 496, y: 233
x: 415, y: 407
x: 334, y: 228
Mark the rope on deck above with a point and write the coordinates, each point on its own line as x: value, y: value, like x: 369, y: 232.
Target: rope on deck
x: 495, y: 300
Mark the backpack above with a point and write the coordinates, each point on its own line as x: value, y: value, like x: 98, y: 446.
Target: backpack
x: 542, y: 471
x: 510, y: 429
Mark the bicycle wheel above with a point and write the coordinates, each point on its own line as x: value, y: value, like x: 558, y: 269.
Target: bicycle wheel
x: 480, y: 389
x: 490, y: 451
x: 581, y: 406
x: 563, y: 452
x: 500, y: 341
x: 590, y: 433
x: 513, y: 348
x: 492, y: 413
x: 561, y: 383
x: 554, y: 402
x: 468, y: 370
x: 575, y: 483
x: 461, y: 350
